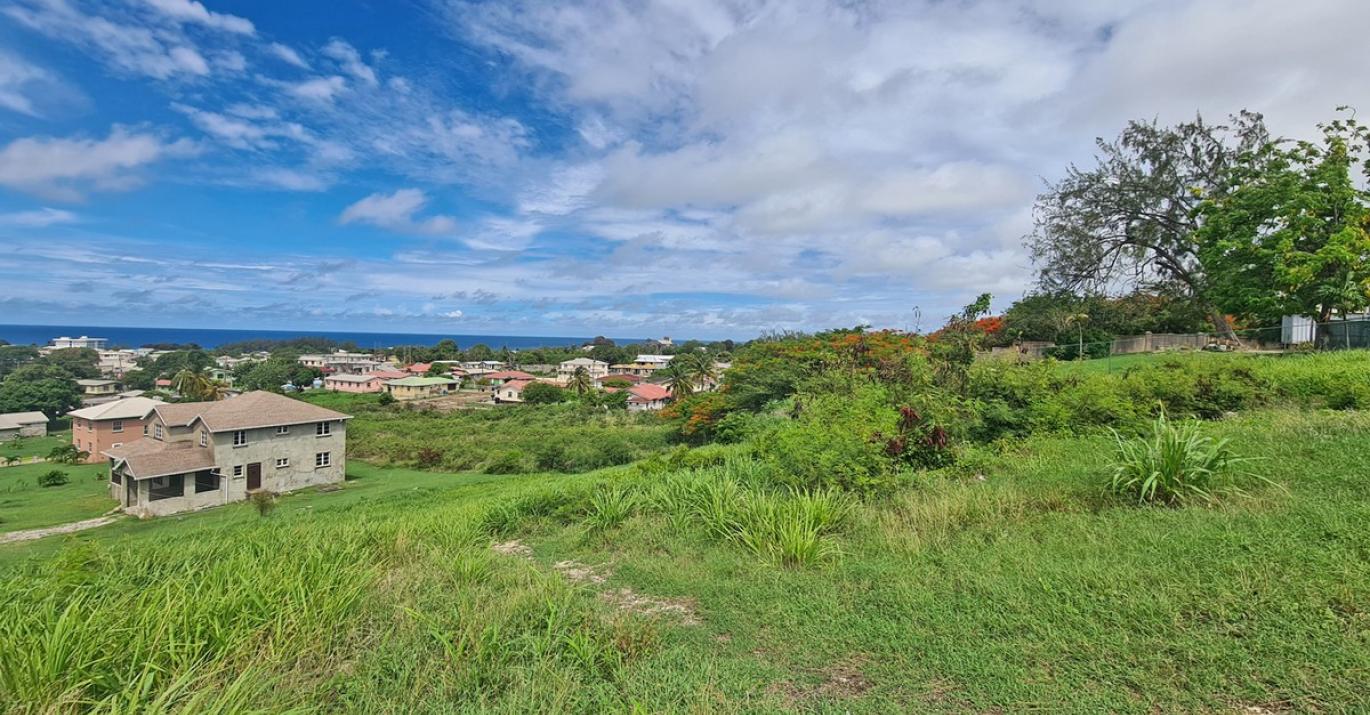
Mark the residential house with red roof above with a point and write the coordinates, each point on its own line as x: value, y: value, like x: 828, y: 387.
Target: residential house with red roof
x: 647, y: 397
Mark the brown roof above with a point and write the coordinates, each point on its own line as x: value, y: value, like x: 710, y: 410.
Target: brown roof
x: 647, y: 392
x: 516, y: 385
x: 248, y: 411
x: 147, y: 458
x: 508, y: 375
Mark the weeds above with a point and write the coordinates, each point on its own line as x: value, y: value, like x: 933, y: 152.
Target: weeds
x: 609, y: 507
x: 1175, y: 464
x: 263, y: 501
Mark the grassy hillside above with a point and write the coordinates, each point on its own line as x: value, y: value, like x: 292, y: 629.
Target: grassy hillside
x: 506, y: 440
x: 1026, y: 588
x: 811, y: 566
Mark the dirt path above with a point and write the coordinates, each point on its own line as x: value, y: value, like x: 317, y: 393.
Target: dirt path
x: 73, y: 527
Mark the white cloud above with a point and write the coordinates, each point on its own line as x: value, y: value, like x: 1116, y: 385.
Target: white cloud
x: 319, y: 89
x: 395, y: 212
x: 38, y: 218
x: 129, y: 48
x: 350, y: 61
x: 287, y: 55
x: 65, y: 168
x: 192, y: 11
x: 290, y: 179
x: 19, y: 80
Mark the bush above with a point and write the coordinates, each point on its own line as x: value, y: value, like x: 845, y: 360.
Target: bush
x: 428, y: 457
x: 552, y: 457
x: 835, y: 442
x: 67, y: 454
x: 385, y: 399
x: 507, y: 462
x: 264, y: 501
x: 1173, y: 465
x: 54, y: 478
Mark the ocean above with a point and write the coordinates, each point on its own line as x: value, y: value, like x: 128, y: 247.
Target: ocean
x: 131, y: 337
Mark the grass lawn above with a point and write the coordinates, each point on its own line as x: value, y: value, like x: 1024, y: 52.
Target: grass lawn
x: 33, y: 446
x: 25, y: 505
x: 1009, y: 584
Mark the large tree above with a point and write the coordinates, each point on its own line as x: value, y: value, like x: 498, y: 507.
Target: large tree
x: 1131, y: 221
x: 49, y: 389
x: 1292, y: 235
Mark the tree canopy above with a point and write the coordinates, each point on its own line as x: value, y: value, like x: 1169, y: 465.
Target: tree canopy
x: 1131, y: 220
x: 1292, y: 233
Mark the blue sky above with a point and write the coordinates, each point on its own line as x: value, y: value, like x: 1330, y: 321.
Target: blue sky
x: 686, y: 167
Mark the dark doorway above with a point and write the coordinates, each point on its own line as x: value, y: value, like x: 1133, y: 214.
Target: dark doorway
x: 254, y: 476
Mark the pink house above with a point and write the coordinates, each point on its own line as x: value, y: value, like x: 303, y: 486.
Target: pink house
x: 353, y: 383
x: 112, y: 424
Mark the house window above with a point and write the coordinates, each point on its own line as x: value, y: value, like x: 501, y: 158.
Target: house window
x: 116, y: 477
x: 166, y: 487
x: 204, y: 438
x: 323, y: 429
x: 144, y: 430
x: 118, y: 425
x: 157, y: 431
x: 282, y: 462
x: 206, y: 481
x: 239, y: 438
x: 116, y: 444
x: 237, y: 470
x: 323, y: 459
x: 283, y: 429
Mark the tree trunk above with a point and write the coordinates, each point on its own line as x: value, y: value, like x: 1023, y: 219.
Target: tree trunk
x: 1220, y: 325
x: 1323, y: 329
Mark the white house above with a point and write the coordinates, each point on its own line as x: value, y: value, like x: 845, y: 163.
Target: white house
x: 596, y: 368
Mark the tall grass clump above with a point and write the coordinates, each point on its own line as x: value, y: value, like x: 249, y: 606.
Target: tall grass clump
x: 1175, y: 464
x: 608, y: 507
x: 792, y: 527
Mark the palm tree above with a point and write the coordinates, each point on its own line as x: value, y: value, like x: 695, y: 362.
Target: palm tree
x: 190, y: 383
x: 680, y: 379
x: 581, y: 382
x: 195, y: 385
x: 701, y: 369
x: 214, y: 390
x: 1079, y: 320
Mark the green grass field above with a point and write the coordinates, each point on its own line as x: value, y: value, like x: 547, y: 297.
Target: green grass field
x: 1010, y: 583
x: 25, y: 505
x: 33, y: 446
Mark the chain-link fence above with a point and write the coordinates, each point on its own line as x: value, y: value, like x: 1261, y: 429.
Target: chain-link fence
x: 1299, y: 335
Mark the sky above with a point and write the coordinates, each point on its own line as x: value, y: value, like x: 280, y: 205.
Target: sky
x: 687, y: 167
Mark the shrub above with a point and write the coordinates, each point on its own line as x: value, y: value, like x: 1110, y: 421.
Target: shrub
x: 54, y: 478
x: 834, y: 442
x: 67, y: 454
x: 385, y: 399
x: 507, y: 462
x: 264, y: 501
x: 428, y: 457
x: 552, y: 457
x: 1173, y: 465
